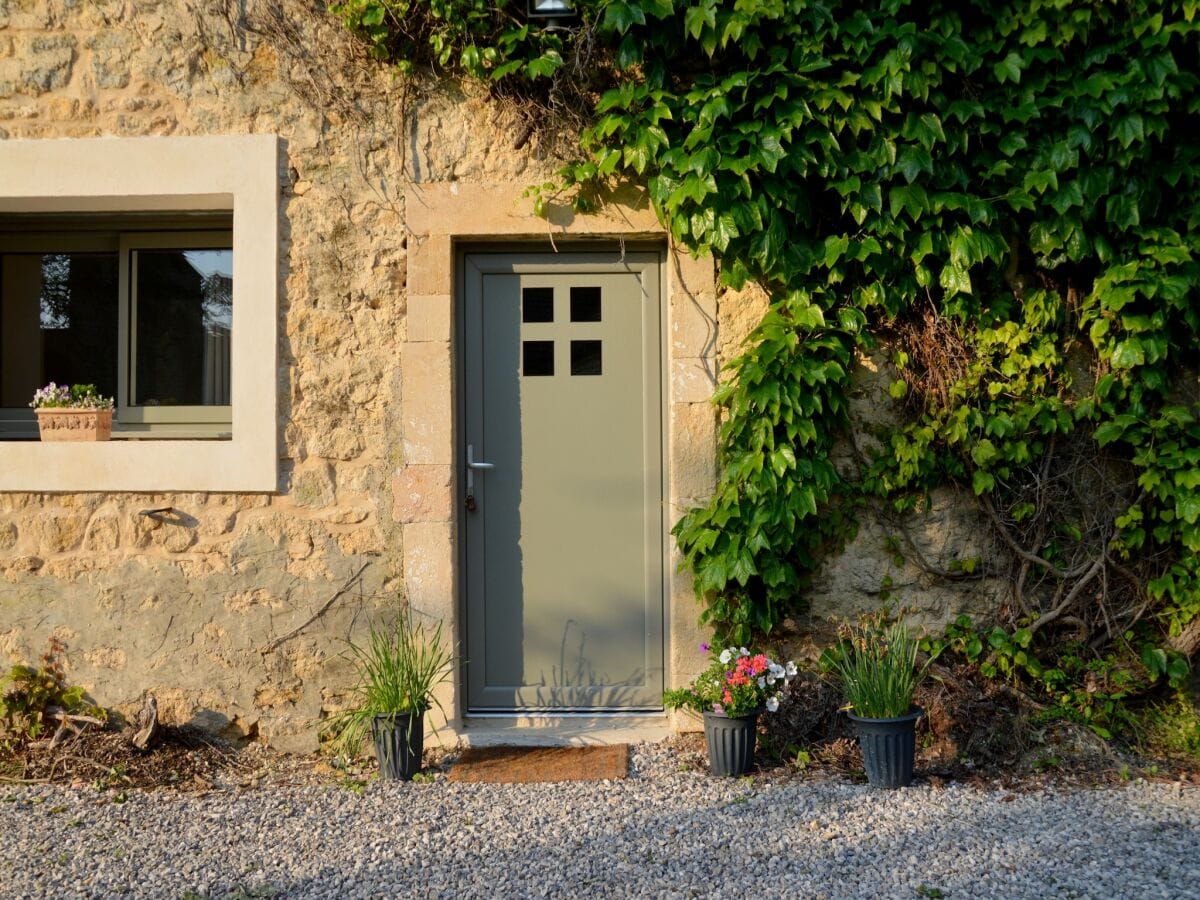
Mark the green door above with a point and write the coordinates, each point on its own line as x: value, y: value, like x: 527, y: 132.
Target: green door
x: 562, y: 480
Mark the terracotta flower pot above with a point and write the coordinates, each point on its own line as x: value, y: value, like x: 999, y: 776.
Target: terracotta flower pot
x: 70, y: 424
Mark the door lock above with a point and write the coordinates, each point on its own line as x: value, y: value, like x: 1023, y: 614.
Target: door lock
x: 472, y: 465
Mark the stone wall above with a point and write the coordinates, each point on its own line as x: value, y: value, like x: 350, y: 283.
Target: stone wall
x: 191, y: 604
x: 895, y: 560
x: 231, y: 608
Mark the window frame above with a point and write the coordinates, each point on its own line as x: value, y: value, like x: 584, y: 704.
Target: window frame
x: 238, y: 174
x: 130, y: 420
x: 159, y: 421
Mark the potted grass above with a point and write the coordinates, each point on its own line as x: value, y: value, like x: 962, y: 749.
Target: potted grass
x: 72, y: 413
x: 731, y: 693
x: 398, y: 669
x: 876, y: 664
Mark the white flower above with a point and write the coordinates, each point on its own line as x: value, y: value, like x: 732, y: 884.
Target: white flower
x: 792, y: 671
x: 726, y: 656
x: 762, y: 682
x: 743, y: 652
x: 776, y: 669
x: 772, y: 703
x: 770, y: 679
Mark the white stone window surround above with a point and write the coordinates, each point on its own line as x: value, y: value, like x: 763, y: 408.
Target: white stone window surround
x: 167, y: 174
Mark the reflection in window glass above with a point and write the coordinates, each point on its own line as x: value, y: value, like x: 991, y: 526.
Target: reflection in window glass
x: 184, y: 318
x: 585, y: 358
x: 58, y: 322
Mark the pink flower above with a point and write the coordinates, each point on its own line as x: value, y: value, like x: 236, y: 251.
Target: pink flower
x: 704, y: 648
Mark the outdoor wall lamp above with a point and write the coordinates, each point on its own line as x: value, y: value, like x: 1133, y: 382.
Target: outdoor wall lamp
x: 550, y: 9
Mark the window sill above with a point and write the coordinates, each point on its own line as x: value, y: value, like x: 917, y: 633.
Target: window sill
x: 137, y: 465
x: 182, y: 434
x: 131, y: 434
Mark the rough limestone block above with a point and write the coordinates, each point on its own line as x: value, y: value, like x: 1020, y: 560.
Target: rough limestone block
x: 694, y: 439
x: 429, y: 317
x: 690, y: 276
x: 427, y: 403
x: 429, y: 266
x: 692, y: 380
x: 429, y: 572
x: 421, y: 493
x: 692, y: 324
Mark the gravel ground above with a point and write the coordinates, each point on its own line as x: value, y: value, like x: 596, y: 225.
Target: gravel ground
x: 664, y: 832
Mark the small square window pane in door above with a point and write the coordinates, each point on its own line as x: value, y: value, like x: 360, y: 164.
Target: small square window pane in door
x: 585, y: 358
x: 585, y: 304
x: 537, y: 304
x: 537, y: 358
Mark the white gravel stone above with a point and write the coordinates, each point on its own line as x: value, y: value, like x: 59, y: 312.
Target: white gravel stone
x: 662, y: 833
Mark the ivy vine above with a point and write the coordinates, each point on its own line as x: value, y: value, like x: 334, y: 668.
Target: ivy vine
x: 1008, y: 194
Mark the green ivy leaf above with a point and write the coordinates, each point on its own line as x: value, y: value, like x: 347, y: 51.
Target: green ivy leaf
x: 1008, y: 69
x: 955, y: 279
x: 1128, y: 354
x: 983, y: 483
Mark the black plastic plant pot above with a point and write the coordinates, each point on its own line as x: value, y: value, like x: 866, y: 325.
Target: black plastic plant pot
x: 399, y: 741
x: 730, y: 742
x: 888, y: 747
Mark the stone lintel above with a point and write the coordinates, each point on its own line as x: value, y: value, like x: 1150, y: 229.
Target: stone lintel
x: 495, y: 210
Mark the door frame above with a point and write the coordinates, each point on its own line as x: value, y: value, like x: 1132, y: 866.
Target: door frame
x: 420, y: 522
x: 571, y: 253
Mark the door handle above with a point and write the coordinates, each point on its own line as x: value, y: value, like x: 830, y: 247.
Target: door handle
x: 472, y: 465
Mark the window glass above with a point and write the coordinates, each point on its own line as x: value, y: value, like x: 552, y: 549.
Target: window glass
x: 183, y: 315
x: 585, y: 304
x: 58, y: 322
x: 538, y: 358
x: 586, y: 358
x: 537, y: 304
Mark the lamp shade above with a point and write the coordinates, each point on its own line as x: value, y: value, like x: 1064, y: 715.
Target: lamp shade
x: 550, y: 8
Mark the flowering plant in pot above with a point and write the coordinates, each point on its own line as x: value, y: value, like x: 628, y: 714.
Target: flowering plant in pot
x: 398, y: 669
x: 731, y: 693
x: 876, y: 663
x: 72, y: 413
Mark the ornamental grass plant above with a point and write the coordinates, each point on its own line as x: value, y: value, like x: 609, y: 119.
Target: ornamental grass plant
x: 876, y: 663
x: 398, y: 669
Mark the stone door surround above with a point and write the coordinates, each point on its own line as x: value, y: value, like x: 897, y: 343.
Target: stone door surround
x: 440, y: 218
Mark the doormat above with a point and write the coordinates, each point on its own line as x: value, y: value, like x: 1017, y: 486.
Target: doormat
x: 524, y: 765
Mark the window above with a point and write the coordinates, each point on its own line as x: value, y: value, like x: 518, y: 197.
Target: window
x: 188, y: 228
x: 143, y: 312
